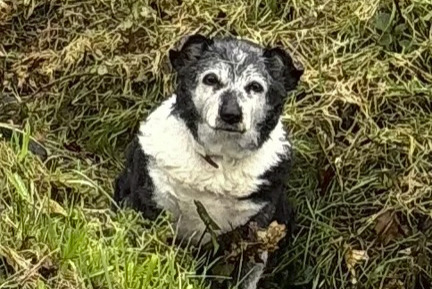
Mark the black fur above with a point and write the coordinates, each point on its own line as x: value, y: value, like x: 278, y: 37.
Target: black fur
x: 182, y: 61
x: 277, y: 208
x: 199, y: 52
x: 275, y: 99
x: 134, y: 187
x: 281, y: 67
x: 284, y: 79
x: 273, y: 193
x: 185, y: 109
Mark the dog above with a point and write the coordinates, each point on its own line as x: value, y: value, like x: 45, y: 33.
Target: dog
x: 218, y: 140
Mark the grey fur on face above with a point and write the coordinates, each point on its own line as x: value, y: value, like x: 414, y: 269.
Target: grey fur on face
x: 235, y: 91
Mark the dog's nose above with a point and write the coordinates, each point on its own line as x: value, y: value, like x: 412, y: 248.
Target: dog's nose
x: 230, y: 111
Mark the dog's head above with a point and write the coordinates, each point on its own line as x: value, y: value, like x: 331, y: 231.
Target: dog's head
x: 231, y: 92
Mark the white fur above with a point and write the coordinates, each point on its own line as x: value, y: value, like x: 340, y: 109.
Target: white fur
x: 253, y: 106
x: 180, y: 175
x: 255, y: 273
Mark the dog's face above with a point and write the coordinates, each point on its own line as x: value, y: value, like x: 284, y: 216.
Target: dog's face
x: 231, y: 92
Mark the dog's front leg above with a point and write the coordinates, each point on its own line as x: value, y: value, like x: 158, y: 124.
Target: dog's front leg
x: 247, y: 263
x: 252, y: 272
x: 134, y: 187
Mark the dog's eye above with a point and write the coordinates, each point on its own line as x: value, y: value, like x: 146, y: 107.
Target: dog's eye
x: 255, y: 87
x: 210, y: 79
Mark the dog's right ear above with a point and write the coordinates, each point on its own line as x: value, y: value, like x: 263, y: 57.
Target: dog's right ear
x: 280, y: 65
x: 190, y: 51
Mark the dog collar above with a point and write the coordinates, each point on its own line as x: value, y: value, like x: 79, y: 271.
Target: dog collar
x: 209, y: 160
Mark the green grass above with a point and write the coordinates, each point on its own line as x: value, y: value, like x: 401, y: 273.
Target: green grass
x: 52, y: 236
x: 79, y: 76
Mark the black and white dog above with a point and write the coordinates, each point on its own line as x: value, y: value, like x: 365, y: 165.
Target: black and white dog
x: 219, y: 140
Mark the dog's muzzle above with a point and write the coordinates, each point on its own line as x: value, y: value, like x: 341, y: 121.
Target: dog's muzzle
x: 230, y: 114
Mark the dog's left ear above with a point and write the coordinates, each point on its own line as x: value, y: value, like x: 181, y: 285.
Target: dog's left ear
x: 190, y: 51
x: 280, y: 65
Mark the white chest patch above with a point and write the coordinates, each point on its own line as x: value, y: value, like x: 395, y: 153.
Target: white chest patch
x: 180, y: 174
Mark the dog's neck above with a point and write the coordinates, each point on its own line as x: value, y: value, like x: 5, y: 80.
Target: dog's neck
x: 215, y: 155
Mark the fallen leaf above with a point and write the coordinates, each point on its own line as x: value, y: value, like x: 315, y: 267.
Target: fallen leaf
x: 352, y: 258
x: 394, y: 284
x: 406, y: 251
x: 382, y: 21
x: 55, y: 208
x: 255, y: 240
x: 102, y: 69
x: 388, y: 227
x: 271, y: 236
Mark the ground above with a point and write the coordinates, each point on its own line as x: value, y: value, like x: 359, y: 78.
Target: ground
x: 78, y: 77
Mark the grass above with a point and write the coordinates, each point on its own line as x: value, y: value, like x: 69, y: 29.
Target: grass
x: 78, y: 76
